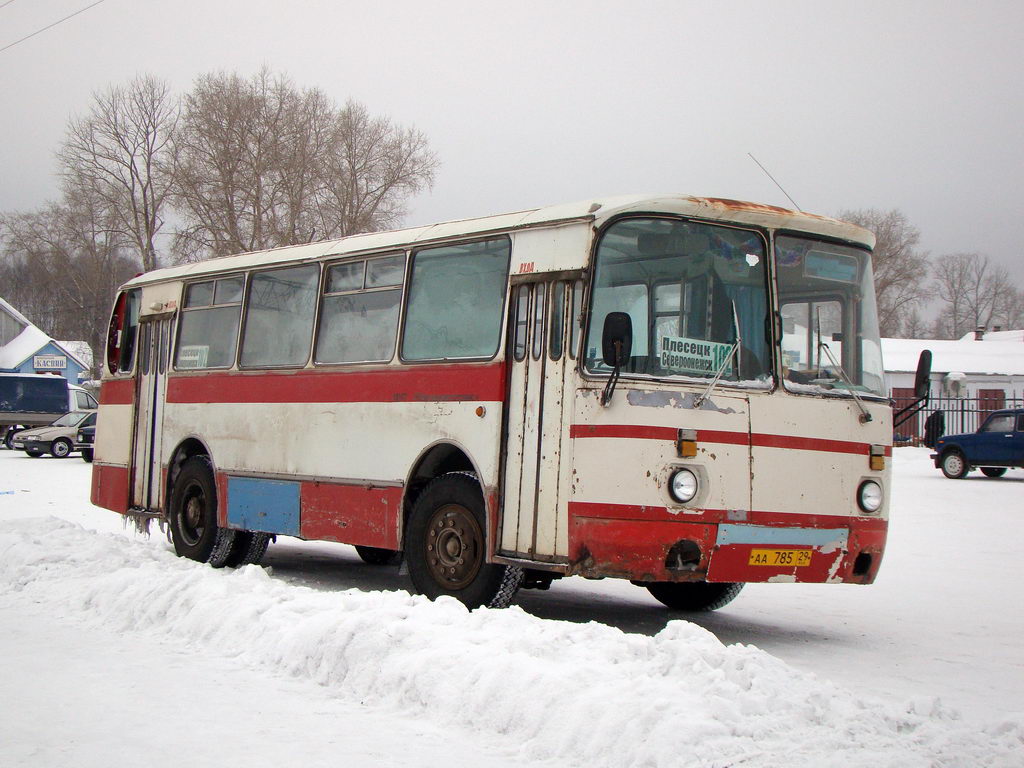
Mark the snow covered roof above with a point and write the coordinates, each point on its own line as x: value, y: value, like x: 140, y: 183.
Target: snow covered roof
x: 22, y: 347
x: 996, y: 336
x: 13, y: 312
x: 80, y: 350
x: 32, y: 339
x: 965, y: 355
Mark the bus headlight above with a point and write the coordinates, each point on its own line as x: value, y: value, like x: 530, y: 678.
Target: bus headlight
x: 682, y: 486
x: 869, y: 496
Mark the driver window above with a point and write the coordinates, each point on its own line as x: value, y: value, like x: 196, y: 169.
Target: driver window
x: 812, y: 339
x: 1000, y: 423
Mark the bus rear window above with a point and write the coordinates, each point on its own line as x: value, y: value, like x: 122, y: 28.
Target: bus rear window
x: 124, y: 324
x: 456, y: 300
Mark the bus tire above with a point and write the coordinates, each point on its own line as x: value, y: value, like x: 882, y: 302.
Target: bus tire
x: 694, y: 595
x: 193, y: 519
x: 377, y: 556
x: 87, y: 455
x: 954, y: 465
x: 247, y: 548
x: 446, y: 547
x: 993, y: 471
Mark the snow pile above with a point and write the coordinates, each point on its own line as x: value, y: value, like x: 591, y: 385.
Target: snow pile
x: 577, y: 693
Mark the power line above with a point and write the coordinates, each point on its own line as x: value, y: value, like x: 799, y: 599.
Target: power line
x: 6, y: 4
x: 48, y: 26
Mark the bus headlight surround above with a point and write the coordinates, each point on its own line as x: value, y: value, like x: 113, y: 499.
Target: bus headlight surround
x: 683, y: 485
x: 869, y: 496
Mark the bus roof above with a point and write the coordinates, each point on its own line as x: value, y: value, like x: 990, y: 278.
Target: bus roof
x: 596, y: 210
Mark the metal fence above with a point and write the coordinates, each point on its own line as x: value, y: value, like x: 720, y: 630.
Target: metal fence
x: 959, y: 414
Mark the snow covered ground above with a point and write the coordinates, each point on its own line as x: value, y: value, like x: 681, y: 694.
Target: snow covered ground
x: 115, y: 650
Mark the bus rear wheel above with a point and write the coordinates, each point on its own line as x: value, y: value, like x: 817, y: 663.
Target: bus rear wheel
x: 694, y: 595
x: 193, y: 519
x: 993, y: 471
x: 247, y: 548
x: 446, y: 548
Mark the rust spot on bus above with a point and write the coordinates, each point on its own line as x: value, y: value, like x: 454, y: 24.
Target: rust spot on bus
x: 742, y: 205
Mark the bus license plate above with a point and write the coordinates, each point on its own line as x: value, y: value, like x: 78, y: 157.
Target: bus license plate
x: 786, y: 558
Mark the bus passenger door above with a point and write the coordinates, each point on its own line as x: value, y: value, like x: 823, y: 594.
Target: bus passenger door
x: 534, y: 522
x: 154, y: 349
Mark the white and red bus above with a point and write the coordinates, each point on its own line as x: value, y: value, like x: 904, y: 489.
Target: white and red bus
x: 683, y: 392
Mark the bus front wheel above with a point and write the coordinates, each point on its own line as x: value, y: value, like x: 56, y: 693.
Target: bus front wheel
x: 446, y: 548
x: 194, y: 529
x: 694, y: 595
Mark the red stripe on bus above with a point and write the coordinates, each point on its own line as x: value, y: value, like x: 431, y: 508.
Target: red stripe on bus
x: 814, y: 444
x: 387, y: 385
x: 117, y: 392
x: 640, y: 432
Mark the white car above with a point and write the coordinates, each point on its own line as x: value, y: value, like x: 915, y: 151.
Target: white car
x: 58, y: 438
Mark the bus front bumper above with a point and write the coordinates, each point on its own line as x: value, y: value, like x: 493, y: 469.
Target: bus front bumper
x: 815, y: 550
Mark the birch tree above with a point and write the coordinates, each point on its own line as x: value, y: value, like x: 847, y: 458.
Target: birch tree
x: 900, y: 269
x: 260, y: 163
x: 118, y: 157
x: 975, y: 293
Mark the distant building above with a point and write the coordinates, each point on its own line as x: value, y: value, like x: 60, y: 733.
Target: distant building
x: 971, y: 377
x: 26, y: 349
x: 979, y: 365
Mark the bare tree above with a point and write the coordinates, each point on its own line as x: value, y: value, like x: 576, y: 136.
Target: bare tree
x: 262, y: 164
x: 974, y: 292
x: 61, y: 266
x: 374, y: 166
x: 914, y: 326
x: 1012, y: 312
x: 900, y: 270
x: 118, y: 157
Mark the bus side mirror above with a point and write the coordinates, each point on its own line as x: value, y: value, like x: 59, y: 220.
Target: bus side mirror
x: 617, y: 339
x: 922, y: 380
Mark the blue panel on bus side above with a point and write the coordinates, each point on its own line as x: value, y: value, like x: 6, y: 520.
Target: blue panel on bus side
x: 271, y: 506
x: 763, y: 534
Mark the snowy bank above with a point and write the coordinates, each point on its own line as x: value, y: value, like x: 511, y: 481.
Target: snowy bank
x: 582, y: 694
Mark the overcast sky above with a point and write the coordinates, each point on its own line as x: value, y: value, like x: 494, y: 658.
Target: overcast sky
x: 910, y: 105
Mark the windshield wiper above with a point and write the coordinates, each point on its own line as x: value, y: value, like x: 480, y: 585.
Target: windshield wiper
x: 865, y: 417
x: 699, y: 400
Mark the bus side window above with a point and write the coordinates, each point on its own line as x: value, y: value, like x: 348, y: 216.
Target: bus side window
x: 557, y: 319
x: 538, y: 321
x: 522, y: 323
x: 129, y: 331
x: 359, y: 314
x: 208, y: 330
x: 279, y: 317
x: 456, y: 301
x: 577, y: 318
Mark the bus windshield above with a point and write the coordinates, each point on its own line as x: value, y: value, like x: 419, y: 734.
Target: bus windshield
x: 692, y: 292
x: 830, y: 340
